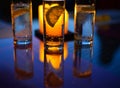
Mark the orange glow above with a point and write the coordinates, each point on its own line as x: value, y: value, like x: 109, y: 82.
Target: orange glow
x: 50, y: 29
x: 54, y: 59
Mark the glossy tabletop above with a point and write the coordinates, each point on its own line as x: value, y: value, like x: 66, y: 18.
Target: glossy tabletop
x: 105, y: 61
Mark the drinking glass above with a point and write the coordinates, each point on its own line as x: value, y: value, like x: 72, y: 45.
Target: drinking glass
x: 53, y: 19
x: 84, y: 21
x: 21, y: 15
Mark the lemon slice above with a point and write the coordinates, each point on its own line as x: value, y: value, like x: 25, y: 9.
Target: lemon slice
x: 20, y: 12
x: 53, y: 15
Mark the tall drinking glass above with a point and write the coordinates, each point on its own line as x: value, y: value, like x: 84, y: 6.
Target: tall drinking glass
x: 54, y: 19
x: 84, y: 21
x: 21, y: 15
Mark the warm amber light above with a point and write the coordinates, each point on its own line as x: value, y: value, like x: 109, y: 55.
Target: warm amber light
x: 49, y: 29
x: 54, y: 59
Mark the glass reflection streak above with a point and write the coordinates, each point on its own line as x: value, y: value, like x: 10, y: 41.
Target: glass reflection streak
x: 82, y: 63
x: 23, y: 60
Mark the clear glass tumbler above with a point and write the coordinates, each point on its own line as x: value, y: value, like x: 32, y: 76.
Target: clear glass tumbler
x: 84, y: 21
x: 21, y: 15
x: 54, y: 23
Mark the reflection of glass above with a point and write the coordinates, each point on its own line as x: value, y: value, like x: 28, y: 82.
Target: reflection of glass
x: 56, y: 63
x: 23, y: 59
x: 82, y: 60
x: 53, y: 67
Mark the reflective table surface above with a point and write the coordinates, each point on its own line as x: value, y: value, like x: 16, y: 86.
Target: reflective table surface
x: 105, y: 72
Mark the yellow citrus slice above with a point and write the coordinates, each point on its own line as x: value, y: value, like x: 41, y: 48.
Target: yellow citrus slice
x: 53, y: 14
x: 20, y: 12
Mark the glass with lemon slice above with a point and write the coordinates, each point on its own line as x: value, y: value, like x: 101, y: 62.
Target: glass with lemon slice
x: 21, y: 15
x: 54, y: 22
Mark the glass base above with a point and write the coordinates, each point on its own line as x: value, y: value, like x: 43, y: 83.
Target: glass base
x: 83, y: 40
x: 25, y: 42
x: 84, y: 43
x: 87, y: 43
